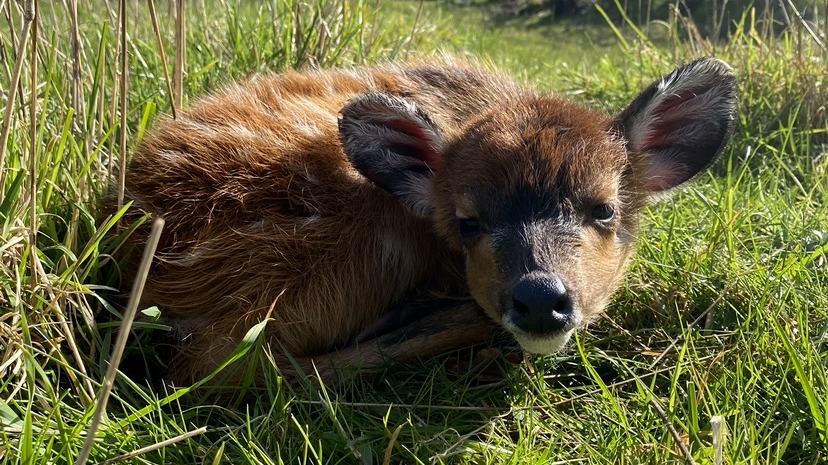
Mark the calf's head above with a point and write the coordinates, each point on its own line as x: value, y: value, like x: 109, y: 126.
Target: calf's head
x: 543, y: 196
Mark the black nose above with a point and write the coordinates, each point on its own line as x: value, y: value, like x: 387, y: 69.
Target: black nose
x: 541, y: 304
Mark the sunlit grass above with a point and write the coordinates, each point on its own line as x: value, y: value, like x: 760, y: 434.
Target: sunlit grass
x: 725, y: 312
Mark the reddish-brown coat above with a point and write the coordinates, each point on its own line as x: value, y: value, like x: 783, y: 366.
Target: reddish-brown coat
x: 266, y: 214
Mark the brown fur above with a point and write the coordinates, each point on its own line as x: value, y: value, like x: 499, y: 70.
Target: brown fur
x: 266, y: 214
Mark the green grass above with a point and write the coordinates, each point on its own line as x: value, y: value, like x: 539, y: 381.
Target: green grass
x: 725, y: 312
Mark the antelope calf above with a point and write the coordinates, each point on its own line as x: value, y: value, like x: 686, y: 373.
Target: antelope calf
x: 402, y: 211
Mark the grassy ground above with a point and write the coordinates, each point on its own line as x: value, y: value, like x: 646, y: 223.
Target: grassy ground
x: 725, y: 313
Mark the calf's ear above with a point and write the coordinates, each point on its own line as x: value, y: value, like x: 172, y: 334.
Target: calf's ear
x: 678, y: 126
x: 394, y: 144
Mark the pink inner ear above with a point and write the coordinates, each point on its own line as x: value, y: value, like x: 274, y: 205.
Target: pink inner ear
x: 671, y: 114
x: 659, y: 136
x: 668, y: 122
x: 662, y: 175
x: 424, y: 148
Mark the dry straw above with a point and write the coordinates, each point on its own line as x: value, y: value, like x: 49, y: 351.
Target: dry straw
x: 122, y: 15
x: 180, y: 54
x: 28, y: 20
x: 157, y: 32
x: 31, y: 8
x: 120, y: 343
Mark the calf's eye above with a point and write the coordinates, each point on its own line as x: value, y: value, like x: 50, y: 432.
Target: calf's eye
x: 603, y: 212
x: 469, y: 228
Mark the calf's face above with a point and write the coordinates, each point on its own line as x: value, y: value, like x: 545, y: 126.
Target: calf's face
x: 543, y: 196
x: 536, y: 197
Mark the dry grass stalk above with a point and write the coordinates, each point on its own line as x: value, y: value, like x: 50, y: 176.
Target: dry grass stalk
x: 180, y: 54
x: 86, y: 390
x: 12, y: 35
x: 122, y: 16
x: 156, y: 446
x: 805, y: 25
x: 719, y: 432
x: 123, y: 335
x: 414, y: 25
x: 175, y: 105
x: 78, y: 123
x: 28, y: 19
x: 298, y: 42
x: 31, y: 10
x: 110, y: 166
x: 688, y: 457
x: 99, y: 111
x: 77, y: 88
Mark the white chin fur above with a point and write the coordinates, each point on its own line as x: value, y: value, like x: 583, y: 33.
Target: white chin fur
x: 537, y: 344
x: 543, y: 345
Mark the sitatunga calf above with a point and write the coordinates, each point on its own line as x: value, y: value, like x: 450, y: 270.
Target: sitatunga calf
x: 403, y: 211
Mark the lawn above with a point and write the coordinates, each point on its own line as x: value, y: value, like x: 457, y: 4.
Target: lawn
x: 716, y: 345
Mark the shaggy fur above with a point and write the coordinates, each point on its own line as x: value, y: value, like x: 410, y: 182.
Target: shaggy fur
x: 383, y: 212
